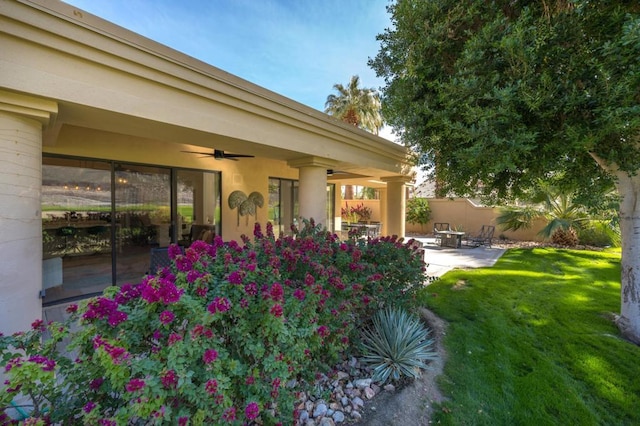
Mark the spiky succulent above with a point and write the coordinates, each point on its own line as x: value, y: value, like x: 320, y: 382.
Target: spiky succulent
x: 397, y: 345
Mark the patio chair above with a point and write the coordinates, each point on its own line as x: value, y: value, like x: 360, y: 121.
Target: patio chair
x: 484, y: 237
x: 438, y: 227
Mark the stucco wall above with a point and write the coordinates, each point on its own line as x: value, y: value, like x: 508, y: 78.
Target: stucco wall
x: 461, y: 214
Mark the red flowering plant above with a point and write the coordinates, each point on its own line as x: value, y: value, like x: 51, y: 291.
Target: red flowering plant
x: 220, y: 337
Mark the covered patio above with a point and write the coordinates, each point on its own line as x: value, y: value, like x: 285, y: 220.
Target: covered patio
x: 82, y: 97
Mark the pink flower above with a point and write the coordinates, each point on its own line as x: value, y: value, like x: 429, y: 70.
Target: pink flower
x: 89, y: 406
x: 276, y: 292
x: 167, y: 317
x: 183, y: 421
x: 169, y: 379
x: 323, y: 331
x: 135, y: 385
x: 173, y: 338
x: 209, y: 356
x: 219, y: 304
x: 309, y: 280
x: 229, y: 414
x: 251, y: 289
x: 252, y: 410
x: 249, y: 380
x: 211, y: 386
x: 276, y: 310
x: 299, y: 294
x: 117, y: 317
x: 72, y: 308
x: 38, y: 325
x: 96, y: 383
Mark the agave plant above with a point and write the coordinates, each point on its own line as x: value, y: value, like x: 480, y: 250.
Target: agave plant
x: 397, y: 345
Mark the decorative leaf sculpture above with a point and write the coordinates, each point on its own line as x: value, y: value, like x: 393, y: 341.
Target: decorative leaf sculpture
x: 246, y: 205
x: 236, y: 199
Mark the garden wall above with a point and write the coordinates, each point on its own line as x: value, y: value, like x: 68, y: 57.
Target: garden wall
x: 461, y: 214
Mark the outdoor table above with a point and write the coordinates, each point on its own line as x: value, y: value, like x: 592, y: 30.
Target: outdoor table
x: 365, y: 229
x: 451, y: 239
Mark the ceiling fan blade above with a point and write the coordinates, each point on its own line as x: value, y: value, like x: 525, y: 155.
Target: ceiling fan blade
x: 219, y: 154
x: 209, y: 154
x: 238, y: 156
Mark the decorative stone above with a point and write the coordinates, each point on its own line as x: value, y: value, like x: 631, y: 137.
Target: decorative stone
x: 344, y: 401
x: 342, y: 375
x: 357, y: 402
x: 338, y: 417
x: 329, y: 412
x: 304, y: 416
x: 310, y: 422
x: 334, y: 406
x: 389, y: 387
x: 356, y: 415
x: 369, y: 393
x: 308, y: 406
x: 320, y: 410
x: 327, y: 421
x: 376, y: 388
x: 362, y: 383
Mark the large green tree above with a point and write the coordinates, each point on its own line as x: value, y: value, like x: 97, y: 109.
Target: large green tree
x: 356, y: 105
x: 498, y: 94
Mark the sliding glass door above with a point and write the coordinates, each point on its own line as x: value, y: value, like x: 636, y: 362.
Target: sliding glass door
x: 101, y: 219
x: 142, y: 217
x: 76, y: 227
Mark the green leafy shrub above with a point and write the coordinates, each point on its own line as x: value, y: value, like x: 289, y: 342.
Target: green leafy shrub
x: 418, y: 211
x: 600, y: 234
x: 397, y: 345
x: 215, y: 338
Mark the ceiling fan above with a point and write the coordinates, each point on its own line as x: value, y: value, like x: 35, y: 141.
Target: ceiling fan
x: 219, y: 154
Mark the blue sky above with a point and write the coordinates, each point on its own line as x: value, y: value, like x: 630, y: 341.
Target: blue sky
x: 298, y: 48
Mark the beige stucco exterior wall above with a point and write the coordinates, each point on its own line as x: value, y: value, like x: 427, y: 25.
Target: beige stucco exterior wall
x: 462, y: 214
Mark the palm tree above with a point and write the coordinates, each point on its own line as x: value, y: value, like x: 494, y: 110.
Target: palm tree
x: 565, y: 218
x: 355, y: 105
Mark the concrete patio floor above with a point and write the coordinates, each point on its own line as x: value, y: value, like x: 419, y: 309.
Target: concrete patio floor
x: 441, y: 260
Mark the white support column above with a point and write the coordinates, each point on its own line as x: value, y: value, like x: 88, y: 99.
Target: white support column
x: 21, y: 122
x: 312, y: 187
x: 383, y: 211
x: 396, y: 204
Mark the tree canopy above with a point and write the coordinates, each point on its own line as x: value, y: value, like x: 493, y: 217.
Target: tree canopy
x: 497, y: 94
x: 356, y: 105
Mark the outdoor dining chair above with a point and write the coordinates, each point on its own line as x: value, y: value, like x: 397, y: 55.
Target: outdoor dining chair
x: 483, y: 238
x: 438, y: 228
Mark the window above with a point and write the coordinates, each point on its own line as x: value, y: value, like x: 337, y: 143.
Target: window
x: 284, y: 209
x: 101, y: 219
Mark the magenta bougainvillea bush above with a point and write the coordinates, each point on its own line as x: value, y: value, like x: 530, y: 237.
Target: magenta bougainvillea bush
x: 221, y: 337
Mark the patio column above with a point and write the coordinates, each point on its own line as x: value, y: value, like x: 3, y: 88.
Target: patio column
x: 396, y: 204
x: 312, y: 187
x: 383, y: 210
x: 21, y: 122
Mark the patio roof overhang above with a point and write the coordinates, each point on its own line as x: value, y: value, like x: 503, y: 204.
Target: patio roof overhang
x: 106, y: 78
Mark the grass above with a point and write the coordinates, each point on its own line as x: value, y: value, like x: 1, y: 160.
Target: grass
x: 531, y: 342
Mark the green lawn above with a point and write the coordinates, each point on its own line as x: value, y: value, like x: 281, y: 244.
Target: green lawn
x: 530, y: 342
